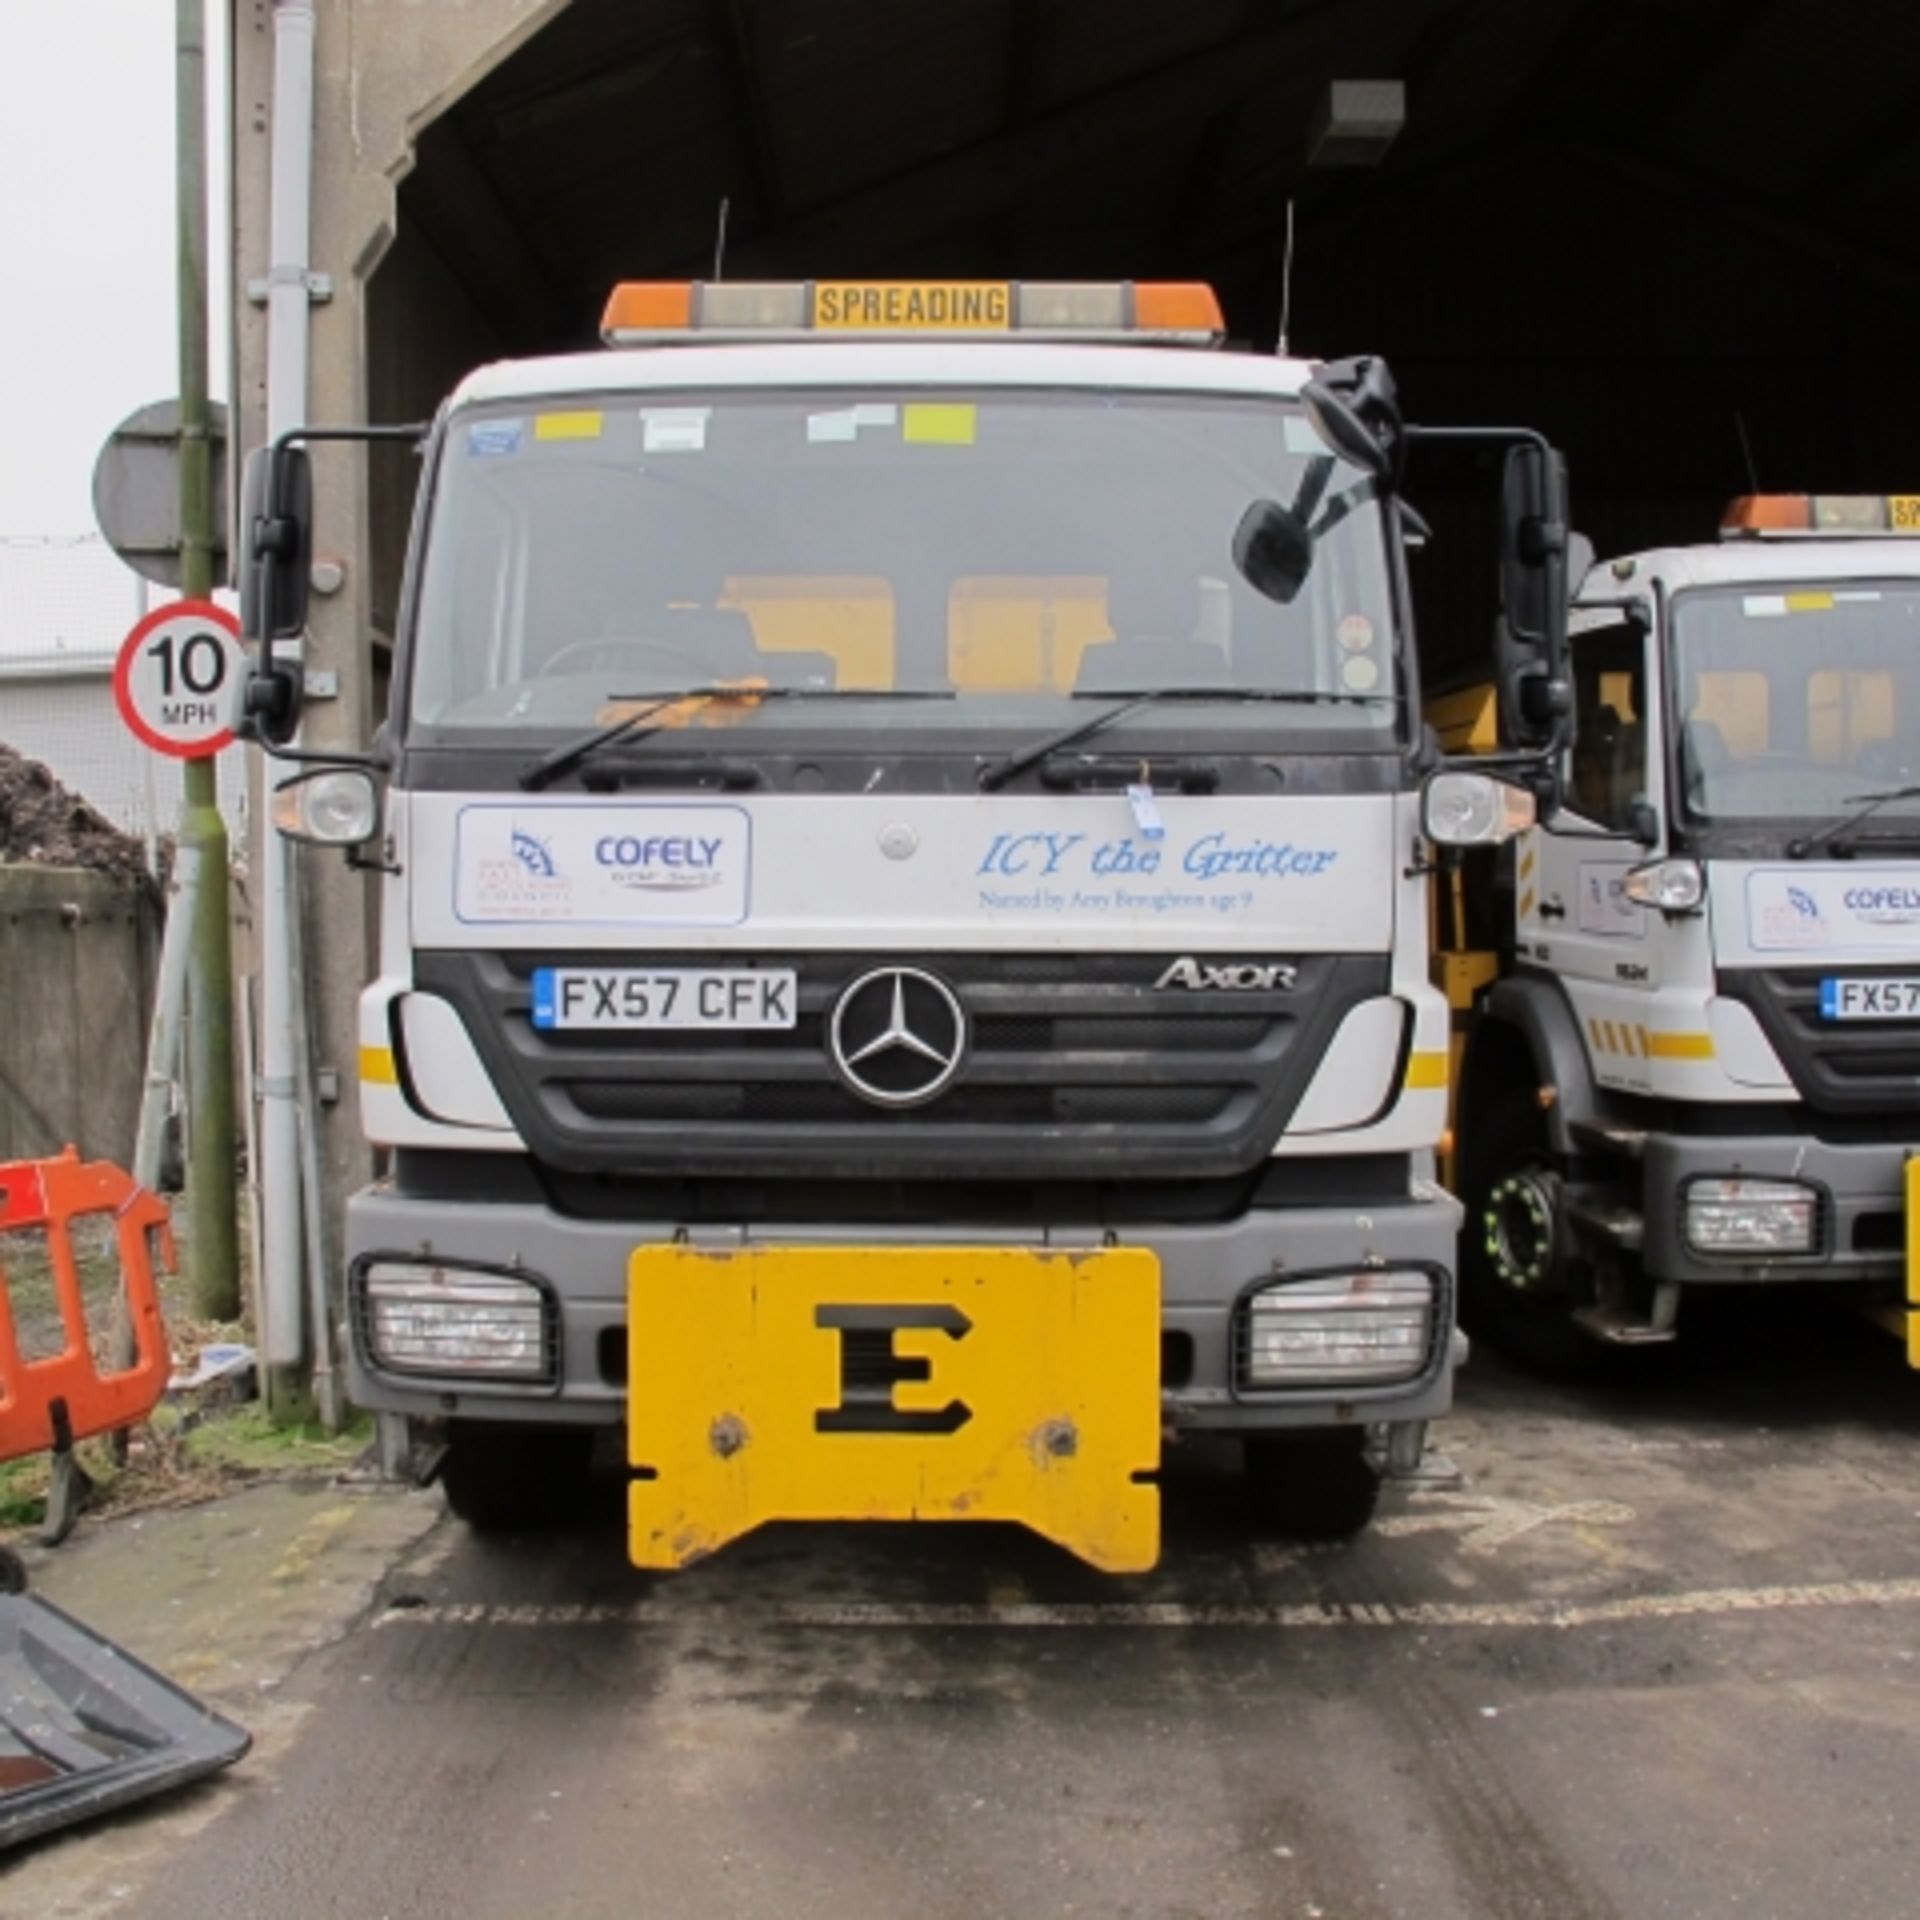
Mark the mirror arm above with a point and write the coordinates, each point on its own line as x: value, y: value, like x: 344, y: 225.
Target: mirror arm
x: 343, y: 757
x: 1631, y: 606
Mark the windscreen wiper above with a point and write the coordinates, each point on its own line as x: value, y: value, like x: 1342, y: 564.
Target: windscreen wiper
x: 631, y: 726
x: 1868, y: 803
x: 997, y: 773
x: 635, y: 726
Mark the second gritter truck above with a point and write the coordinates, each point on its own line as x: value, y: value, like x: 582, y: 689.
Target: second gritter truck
x: 1690, y: 1002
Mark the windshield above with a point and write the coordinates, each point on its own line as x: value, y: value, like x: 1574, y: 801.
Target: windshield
x: 1794, y: 702
x: 997, y: 553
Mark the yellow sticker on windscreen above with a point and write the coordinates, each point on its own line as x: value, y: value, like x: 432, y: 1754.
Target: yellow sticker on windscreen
x: 942, y: 424
x: 567, y: 426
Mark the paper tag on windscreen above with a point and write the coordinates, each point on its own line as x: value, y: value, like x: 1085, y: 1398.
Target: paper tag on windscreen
x: 1146, y: 811
x: 673, y: 429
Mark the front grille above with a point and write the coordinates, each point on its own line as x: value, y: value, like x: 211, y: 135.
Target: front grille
x: 1077, y: 1068
x: 1838, y: 1066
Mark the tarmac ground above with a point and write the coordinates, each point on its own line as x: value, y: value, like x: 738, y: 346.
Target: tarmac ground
x: 1656, y: 1653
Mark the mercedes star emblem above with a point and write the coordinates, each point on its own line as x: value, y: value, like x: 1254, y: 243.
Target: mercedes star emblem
x: 898, y: 1036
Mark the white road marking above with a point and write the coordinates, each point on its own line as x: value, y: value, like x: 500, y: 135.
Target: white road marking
x: 1490, y: 1524
x: 1705, y: 1602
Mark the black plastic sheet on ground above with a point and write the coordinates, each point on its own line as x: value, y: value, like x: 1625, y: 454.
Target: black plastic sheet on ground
x: 85, y: 1728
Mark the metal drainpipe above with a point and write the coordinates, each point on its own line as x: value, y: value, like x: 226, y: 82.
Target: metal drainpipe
x: 284, y: 1280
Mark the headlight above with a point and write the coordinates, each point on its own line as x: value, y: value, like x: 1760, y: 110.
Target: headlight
x: 1355, y: 1329
x: 1674, y: 886
x: 1751, y: 1216
x: 449, y: 1320
x: 1474, y: 810
x: 337, y: 806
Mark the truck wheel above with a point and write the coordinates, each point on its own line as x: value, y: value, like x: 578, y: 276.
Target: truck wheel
x: 1515, y: 1287
x: 1316, y: 1485
x: 515, y: 1479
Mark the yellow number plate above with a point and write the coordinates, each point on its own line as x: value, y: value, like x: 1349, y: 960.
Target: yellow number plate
x: 937, y: 306
x: 1903, y: 512
x: 868, y: 1383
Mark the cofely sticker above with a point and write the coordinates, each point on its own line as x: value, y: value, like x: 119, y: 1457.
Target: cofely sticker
x: 1871, y: 910
x: 617, y: 865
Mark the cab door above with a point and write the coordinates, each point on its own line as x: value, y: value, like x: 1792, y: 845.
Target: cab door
x: 1572, y: 914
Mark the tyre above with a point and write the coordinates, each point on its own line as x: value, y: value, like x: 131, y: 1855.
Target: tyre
x: 1518, y: 1286
x: 1315, y: 1485
x: 516, y: 1479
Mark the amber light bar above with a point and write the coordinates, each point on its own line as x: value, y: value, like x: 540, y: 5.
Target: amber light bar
x: 659, y: 312
x: 1759, y: 514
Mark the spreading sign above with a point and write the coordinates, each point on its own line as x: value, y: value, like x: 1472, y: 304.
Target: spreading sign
x: 178, y: 677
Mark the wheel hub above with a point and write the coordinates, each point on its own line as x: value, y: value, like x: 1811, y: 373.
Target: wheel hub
x: 1521, y: 1225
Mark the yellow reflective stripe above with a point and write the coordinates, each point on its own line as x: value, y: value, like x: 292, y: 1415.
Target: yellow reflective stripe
x: 1680, y: 1046
x: 1526, y: 864
x: 377, y: 1067
x: 1426, y: 1070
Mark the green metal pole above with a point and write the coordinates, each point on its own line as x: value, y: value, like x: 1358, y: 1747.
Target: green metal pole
x: 214, y: 1249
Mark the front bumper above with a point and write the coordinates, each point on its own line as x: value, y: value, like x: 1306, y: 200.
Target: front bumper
x: 1204, y: 1271
x: 1861, y: 1224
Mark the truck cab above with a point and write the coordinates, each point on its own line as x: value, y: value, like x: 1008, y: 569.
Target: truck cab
x: 1694, y: 1061
x: 903, y: 967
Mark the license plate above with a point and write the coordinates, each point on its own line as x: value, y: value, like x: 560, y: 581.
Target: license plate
x: 882, y: 1383
x: 1870, y: 999
x: 566, y: 997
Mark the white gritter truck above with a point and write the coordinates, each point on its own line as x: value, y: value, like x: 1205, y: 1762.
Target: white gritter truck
x: 1692, y: 1013
x: 903, y: 833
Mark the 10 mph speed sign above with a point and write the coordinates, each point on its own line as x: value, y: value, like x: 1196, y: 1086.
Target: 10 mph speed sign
x: 177, y: 681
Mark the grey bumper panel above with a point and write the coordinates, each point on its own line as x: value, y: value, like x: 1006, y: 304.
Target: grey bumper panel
x: 1205, y: 1269
x: 1854, y: 1182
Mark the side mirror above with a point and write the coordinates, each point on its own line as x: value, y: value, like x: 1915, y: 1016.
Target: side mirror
x: 276, y: 556
x: 1273, y: 550
x: 1643, y: 821
x: 1580, y: 557
x: 329, y: 806
x: 1531, y: 643
x: 1355, y: 409
x: 1342, y: 428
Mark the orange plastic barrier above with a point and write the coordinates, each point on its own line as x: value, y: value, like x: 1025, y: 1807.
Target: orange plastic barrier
x: 64, y: 1397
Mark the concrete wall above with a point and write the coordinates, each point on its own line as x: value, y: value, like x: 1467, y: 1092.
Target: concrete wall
x: 77, y: 956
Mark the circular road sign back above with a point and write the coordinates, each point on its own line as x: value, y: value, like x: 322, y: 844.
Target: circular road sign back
x: 177, y: 680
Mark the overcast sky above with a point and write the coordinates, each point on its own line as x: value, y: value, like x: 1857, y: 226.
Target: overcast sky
x: 86, y: 230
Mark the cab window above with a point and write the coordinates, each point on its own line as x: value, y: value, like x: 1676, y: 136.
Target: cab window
x: 1609, y: 771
